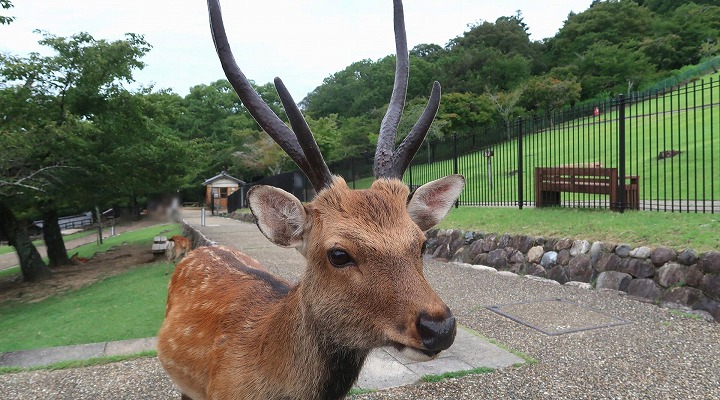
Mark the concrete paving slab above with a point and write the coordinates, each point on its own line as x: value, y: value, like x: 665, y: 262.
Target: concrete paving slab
x: 40, y: 357
x: 386, y: 367
x: 556, y: 316
x: 130, y: 346
x: 381, y: 370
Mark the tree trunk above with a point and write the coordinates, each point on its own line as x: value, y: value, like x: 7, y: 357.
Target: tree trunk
x: 31, y: 264
x: 56, y: 251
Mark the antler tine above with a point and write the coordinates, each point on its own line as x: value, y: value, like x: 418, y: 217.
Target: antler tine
x: 389, y: 125
x: 410, y: 145
x: 262, y: 113
x: 304, y: 136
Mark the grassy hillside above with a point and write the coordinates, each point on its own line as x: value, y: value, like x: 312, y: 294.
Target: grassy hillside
x: 687, y: 119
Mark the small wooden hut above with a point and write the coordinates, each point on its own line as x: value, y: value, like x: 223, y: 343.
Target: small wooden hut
x: 218, y: 188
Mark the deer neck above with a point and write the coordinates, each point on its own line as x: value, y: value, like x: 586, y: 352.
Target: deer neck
x: 323, y: 369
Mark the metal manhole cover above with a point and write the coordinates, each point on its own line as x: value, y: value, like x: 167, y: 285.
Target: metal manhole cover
x: 556, y: 316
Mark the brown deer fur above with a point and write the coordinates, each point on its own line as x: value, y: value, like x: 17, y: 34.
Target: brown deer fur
x: 179, y: 247
x: 233, y: 331
x: 75, y: 259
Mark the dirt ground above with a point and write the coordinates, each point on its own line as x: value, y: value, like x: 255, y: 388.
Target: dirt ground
x: 68, y: 278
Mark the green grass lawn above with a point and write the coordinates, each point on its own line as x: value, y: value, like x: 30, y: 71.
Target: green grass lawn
x: 700, y: 232
x: 127, y: 306
x: 677, y: 121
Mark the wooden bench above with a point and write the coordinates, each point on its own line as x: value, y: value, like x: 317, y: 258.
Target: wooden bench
x: 551, y: 181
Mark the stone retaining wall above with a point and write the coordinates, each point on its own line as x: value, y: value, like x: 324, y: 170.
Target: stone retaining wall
x: 195, y: 236
x: 685, y: 279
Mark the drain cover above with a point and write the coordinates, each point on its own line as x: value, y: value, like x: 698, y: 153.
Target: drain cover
x: 556, y: 316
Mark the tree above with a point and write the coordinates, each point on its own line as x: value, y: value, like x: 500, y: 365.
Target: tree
x: 52, y: 103
x: 6, y: 5
x: 546, y: 93
x: 607, y: 67
x: 465, y: 112
x: 505, y: 104
x: 615, y: 22
x: 365, y: 86
x: 263, y: 156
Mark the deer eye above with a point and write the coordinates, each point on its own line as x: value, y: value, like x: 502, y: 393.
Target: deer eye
x: 340, y: 258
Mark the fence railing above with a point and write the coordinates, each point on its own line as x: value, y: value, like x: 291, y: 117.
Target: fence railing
x: 663, y: 146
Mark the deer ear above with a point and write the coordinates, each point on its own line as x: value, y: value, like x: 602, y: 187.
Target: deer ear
x: 280, y: 215
x: 429, y: 204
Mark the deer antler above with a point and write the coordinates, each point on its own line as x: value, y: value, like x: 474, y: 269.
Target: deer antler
x: 300, y: 144
x: 391, y: 163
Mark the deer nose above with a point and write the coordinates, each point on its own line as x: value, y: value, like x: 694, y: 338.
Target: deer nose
x: 436, y: 333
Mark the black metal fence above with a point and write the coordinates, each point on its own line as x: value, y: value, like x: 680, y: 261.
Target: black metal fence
x: 657, y: 150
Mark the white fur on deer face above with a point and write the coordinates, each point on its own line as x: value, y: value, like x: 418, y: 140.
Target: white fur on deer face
x: 364, y: 286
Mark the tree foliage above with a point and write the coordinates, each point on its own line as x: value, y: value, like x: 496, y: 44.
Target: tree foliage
x: 5, y: 5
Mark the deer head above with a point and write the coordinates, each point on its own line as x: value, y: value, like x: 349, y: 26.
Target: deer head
x: 364, y: 283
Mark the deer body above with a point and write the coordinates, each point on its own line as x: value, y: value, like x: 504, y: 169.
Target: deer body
x: 233, y: 331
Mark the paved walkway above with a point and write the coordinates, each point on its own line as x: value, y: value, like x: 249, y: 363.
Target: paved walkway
x: 616, y: 348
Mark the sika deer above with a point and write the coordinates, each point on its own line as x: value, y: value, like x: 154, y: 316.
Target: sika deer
x: 233, y: 331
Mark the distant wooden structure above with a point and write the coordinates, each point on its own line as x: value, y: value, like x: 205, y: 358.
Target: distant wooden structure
x: 160, y: 244
x: 218, y: 188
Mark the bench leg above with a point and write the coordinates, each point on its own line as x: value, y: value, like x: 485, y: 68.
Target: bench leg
x: 550, y: 199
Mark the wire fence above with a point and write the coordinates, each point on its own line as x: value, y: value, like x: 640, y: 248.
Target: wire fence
x: 657, y: 150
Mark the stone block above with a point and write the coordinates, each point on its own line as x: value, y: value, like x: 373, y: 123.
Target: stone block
x: 711, y: 286
x: 563, y: 244
x: 557, y: 273
x: 640, y: 252
x: 480, y: 259
x: 535, y: 254
x: 533, y: 269
x: 694, y: 276
x: 671, y: 274
x: 710, y: 263
x: 579, y: 247
x: 607, y: 262
x: 640, y: 269
x: 497, y: 259
x: 549, y: 244
x: 489, y: 243
x: 549, y: 259
x: 644, y: 288
x: 662, y: 255
x: 524, y: 243
x: 596, y: 249
x: 685, y: 295
x: 580, y: 268
x: 505, y: 241
x: 515, y: 256
x: 563, y: 257
x: 613, y: 280
x: 688, y: 257
x: 622, y: 250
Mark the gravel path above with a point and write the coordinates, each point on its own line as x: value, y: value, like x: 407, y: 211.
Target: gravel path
x: 659, y: 355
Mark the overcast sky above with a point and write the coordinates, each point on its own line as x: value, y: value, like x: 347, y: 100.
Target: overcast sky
x: 301, y: 41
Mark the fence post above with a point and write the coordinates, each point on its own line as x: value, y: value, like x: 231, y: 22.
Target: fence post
x: 455, y: 164
x: 621, y: 154
x: 520, y: 163
x: 410, y: 177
